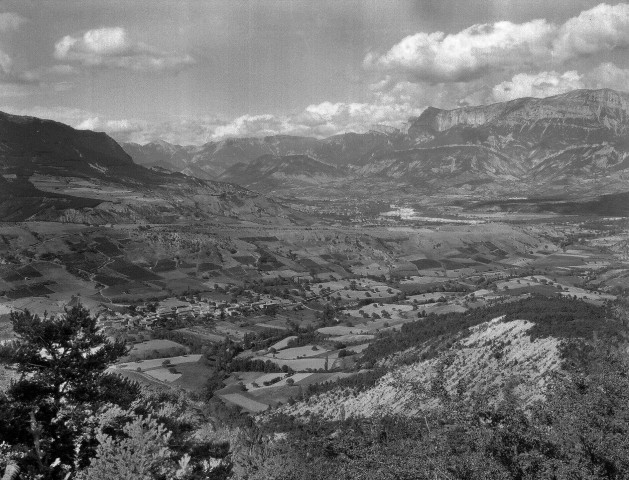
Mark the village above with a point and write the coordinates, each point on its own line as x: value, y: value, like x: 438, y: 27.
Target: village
x: 145, y: 317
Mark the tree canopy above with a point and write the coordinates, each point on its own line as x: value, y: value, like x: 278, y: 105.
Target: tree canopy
x: 61, y: 361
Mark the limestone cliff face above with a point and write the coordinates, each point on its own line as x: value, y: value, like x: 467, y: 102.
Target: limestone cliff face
x: 441, y: 120
x: 605, y: 109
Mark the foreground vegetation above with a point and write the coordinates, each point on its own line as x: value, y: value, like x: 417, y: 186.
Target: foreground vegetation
x: 578, y: 432
x: 66, y: 417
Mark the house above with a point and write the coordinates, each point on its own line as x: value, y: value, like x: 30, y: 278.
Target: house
x: 185, y: 311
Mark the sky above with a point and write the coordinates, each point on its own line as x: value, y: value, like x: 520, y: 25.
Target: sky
x: 194, y: 71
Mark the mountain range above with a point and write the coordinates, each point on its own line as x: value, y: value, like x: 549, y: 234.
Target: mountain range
x: 573, y: 147
x: 572, y: 144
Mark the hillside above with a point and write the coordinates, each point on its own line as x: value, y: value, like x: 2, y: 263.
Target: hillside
x: 51, y: 171
x: 486, y: 359
x: 31, y: 145
x: 462, y: 355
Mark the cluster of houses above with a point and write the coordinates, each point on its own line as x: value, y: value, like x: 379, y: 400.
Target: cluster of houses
x: 145, y: 317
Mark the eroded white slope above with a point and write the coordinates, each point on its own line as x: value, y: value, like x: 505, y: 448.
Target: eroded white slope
x: 491, y: 355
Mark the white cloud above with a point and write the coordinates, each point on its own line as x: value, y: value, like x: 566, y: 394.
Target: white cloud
x: 248, y: 125
x: 479, y: 49
x: 542, y: 84
x: 600, y: 29
x: 331, y: 118
x: 122, y: 126
x: 437, y: 57
x: 320, y: 120
x: 112, y: 48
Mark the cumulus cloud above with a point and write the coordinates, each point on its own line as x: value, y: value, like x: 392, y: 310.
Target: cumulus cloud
x: 474, y: 51
x: 328, y: 118
x: 542, y: 84
x: 320, y: 120
x: 254, y: 125
x: 112, y: 48
x: 600, y: 29
x: 437, y: 57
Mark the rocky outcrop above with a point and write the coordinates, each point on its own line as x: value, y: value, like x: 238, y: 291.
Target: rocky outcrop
x: 605, y: 109
x: 486, y: 359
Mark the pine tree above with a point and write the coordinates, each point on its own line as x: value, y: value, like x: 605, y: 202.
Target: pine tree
x: 61, y: 361
x: 61, y: 358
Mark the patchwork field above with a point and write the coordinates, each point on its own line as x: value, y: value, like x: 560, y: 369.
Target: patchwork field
x: 301, y: 352
x: 145, y: 365
x: 376, y: 278
x: 156, y: 349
